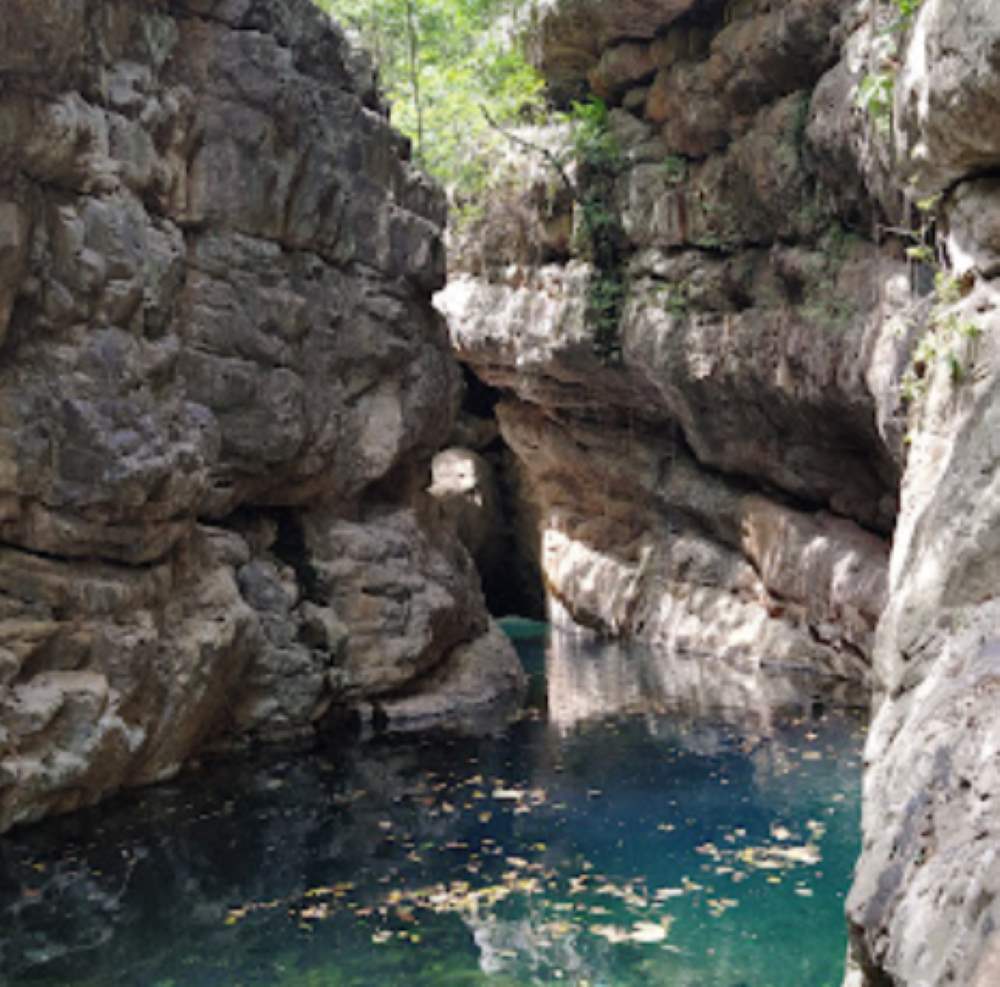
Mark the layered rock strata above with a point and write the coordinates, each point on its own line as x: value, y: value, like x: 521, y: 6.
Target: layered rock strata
x: 221, y: 385
x: 725, y: 482
x: 720, y: 476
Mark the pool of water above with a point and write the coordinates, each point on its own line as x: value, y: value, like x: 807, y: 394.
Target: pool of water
x: 648, y: 822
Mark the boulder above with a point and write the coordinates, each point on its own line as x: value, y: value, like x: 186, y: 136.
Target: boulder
x: 220, y: 358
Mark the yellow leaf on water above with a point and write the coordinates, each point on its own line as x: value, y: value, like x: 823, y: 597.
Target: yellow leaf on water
x: 663, y: 894
x: 613, y: 933
x: 649, y: 932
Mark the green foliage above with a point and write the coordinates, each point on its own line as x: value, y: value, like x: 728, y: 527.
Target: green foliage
x: 605, y: 300
x: 594, y: 145
x: 674, y: 297
x: 465, y: 60
x: 908, y: 8
x: 601, y: 239
x: 944, y: 329
x: 944, y: 339
x: 947, y: 288
x: 598, y: 230
x: 674, y: 169
x: 922, y: 253
x: 875, y: 95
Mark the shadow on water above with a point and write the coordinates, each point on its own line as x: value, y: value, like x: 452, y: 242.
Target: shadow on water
x: 651, y: 822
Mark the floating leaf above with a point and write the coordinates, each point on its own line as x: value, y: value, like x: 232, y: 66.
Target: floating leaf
x: 508, y: 794
x: 647, y: 932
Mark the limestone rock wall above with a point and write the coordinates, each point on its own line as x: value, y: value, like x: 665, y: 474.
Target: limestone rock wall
x: 221, y: 385
x: 925, y: 907
x: 725, y: 483
x: 728, y: 483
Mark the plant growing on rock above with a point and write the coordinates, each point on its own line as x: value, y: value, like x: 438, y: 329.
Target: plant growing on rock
x: 943, y: 338
x: 599, y: 161
x: 874, y: 97
x: 945, y: 327
x: 675, y: 169
x: 594, y: 145
x: 587, y: 173
x: 876, y: 90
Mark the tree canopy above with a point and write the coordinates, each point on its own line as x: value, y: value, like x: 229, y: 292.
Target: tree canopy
x: 442, y: 62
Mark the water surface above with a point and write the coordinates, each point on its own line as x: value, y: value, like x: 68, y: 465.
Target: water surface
x: 654, y: 822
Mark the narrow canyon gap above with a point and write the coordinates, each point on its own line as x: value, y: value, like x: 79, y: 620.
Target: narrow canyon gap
x: 747, y: 415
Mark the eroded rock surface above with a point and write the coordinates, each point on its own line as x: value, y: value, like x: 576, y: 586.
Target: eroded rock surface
x: 925, y: 906
x: 714, y: 466
x: 221, y: 385
x: 721, y: 477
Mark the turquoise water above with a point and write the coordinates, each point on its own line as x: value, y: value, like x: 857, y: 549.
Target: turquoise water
x: 651, y: 822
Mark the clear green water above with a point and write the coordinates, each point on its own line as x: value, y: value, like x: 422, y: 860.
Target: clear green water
x: 655, y: 824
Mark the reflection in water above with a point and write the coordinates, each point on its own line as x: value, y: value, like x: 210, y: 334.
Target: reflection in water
x: 589, y: 679
x: 665, y: 825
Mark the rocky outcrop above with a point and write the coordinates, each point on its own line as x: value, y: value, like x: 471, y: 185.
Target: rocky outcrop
x: 925, y: 907
x: 221, y: 386
x: 722, y: 478
x: 713, y: 460
x: 707, y: 415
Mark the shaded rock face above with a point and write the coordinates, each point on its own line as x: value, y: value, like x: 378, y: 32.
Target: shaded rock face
x: 568, y: 39
x: 722, y: 480
x: 221, y: 385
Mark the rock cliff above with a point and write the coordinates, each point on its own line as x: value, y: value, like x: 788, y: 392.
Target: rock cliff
x: 221, y: 386
x: 802, y: 320
x: 925, y: 909
x: 705, y: 417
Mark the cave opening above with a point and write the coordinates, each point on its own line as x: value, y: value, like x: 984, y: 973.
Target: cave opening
x: 503, y: 539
